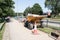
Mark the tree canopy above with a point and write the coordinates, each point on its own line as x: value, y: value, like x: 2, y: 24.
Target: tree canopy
x: 27, y: 10
x: 6, y: 7
x: 36, y: 9
x: 54, y: 5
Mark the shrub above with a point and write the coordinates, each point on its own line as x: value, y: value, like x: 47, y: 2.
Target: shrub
x: 2, y: 20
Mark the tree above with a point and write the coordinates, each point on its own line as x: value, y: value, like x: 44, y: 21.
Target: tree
x: 6, y: 6
x: 6, y: 9
x: 27, y: 10
x: 36, y: 9
x: 54, y: 5
x: 10, y: 12
x: 0, y: 12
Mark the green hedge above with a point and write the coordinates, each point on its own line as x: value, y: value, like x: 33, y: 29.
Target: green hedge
x: 2, y: 20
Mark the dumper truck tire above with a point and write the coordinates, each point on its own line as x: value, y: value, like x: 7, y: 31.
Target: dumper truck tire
x: 26, y: 24
x: 30, y: 26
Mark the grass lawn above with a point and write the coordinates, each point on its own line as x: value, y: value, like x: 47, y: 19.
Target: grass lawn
x: 1, y: 33
x: 55, y: 28
x: 49, y: 29
x: 46, y: 30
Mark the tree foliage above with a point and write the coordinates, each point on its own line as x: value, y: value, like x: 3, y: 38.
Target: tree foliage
x: 36, y: 9
x: 6, y: 7
x: 54, y: 5
x: 27, y: 10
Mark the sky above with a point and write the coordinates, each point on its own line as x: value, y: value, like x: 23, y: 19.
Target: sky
x: 21, y: 5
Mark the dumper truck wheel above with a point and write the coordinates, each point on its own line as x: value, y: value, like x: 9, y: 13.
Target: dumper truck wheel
x: 30, y: 26
x: 26, y: 24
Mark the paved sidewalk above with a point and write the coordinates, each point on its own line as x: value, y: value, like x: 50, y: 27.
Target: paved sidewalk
x: 17, y: 31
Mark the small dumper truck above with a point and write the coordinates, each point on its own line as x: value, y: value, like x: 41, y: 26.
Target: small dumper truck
x: 33, y: 19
